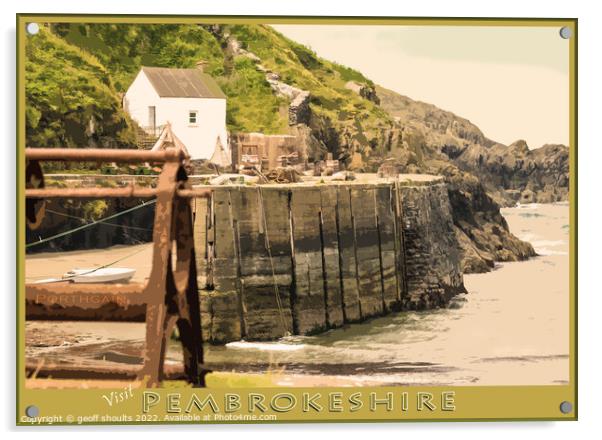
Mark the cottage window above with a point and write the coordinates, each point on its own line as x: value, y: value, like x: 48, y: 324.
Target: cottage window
x: 192, y: 117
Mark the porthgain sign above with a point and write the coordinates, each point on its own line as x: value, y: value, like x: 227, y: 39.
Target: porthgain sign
x: 272, y: 219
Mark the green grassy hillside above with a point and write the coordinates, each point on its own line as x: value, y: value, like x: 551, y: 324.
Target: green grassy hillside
x: 77, y: 71
x: 341, y: 118
x: 70, y: 98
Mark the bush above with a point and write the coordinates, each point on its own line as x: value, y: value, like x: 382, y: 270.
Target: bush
x: 67, y: 90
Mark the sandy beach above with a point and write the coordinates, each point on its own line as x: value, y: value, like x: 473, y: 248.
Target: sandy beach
x: 55, y: 264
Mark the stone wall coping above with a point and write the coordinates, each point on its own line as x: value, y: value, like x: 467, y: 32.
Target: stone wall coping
x: 366, y: 181
x: 361, y: 179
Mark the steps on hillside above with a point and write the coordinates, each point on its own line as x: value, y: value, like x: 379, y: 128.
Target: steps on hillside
x: 147, y: 136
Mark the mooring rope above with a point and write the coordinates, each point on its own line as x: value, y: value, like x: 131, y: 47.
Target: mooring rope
x: 62, y: 214
x: 269, y: 249
x: 88, y: 225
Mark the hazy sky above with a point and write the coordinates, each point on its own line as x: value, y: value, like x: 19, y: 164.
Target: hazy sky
x: 512, y: 82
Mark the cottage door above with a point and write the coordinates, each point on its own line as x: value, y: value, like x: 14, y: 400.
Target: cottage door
x: 152, y: 119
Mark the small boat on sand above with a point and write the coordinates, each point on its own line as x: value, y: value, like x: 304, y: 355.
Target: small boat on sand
x: 91, y: 275
x: 103, y: 275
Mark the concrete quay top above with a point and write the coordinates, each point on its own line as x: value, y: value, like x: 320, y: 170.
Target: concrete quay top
x: 360, y: 179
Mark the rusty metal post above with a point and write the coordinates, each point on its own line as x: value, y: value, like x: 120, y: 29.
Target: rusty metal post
x: 35, y: 208
x: 157, y: 288
x: 188, y: 302
x: 170, y: 296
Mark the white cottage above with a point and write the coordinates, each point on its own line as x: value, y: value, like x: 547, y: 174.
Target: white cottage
x: 190, y: 100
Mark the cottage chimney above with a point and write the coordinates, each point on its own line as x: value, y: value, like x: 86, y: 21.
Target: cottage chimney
x: 202, y: 65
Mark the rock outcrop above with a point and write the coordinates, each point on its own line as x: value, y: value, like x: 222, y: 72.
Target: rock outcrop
x: 510, y: 174
x: 366, y: 91
x: 480, y: 228
x: 298, y: 112
x: 515, y: 173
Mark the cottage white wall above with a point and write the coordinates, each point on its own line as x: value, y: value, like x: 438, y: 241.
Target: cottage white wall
x: 139, y: 97
x: 199, y: 138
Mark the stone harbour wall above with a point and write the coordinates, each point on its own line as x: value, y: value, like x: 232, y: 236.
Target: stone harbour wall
x: 298, y: 259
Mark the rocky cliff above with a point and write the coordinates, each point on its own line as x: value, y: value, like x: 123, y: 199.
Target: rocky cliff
x: 515, y: 173
x: 482, y: 231
x: 510, y: 174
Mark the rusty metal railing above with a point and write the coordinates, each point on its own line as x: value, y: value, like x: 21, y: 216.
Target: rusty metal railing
x: 170, y: 297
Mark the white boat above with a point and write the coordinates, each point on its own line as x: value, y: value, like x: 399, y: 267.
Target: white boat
x: 104, y: 275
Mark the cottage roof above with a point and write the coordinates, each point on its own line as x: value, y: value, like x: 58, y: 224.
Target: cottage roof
x: 182, y: 83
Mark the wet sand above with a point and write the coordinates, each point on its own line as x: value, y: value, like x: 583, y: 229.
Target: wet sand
x: 511, y: 328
